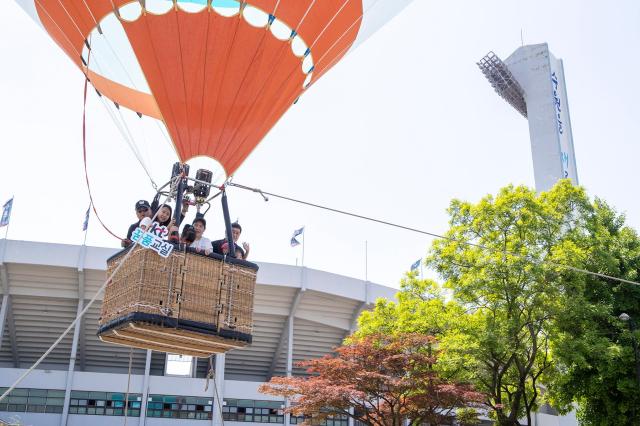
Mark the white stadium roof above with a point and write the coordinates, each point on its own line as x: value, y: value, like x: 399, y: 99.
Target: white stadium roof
x: 45, y: 280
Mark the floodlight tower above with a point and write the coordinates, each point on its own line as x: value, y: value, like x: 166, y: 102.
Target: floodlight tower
x: 532, y: 81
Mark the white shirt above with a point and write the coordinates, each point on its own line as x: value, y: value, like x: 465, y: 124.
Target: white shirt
x: 203, y: 244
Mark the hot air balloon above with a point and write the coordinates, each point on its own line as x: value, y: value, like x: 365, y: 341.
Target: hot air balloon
x: 218, y: 74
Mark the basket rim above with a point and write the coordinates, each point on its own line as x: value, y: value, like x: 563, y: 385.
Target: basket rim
x: 168, y: 322
x: 190, y: 250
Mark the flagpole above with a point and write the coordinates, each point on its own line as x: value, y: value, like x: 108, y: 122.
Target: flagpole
x: 303, y: 238
x: 86, y: 224
x: 4, y: 245
x: 6, y: 231
x: 366, y: 261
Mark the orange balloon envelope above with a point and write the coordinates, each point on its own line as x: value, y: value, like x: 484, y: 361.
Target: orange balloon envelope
x: 218, y: 73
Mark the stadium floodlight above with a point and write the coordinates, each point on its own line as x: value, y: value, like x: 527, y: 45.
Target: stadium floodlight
x: 503, y: 82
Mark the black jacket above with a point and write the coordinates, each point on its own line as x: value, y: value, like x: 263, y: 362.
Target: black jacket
x: 217, y: 248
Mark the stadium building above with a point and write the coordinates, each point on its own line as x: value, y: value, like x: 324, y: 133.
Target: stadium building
x: 300, y: 313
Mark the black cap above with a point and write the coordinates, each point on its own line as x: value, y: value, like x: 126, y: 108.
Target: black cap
x: 142, y: 204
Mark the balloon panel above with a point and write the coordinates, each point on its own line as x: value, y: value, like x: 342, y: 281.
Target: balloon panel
x: 211, y: 92
x: 112, y: 56
x: 218, y: 77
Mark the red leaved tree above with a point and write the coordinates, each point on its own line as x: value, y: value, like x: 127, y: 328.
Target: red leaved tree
x: 385, y: 379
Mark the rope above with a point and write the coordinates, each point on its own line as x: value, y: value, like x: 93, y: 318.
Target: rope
x: 217, y: 398
x: 165, y: 136
x: 347, y: 50
x: 126, y: 397
x: 74, y: 322
x: 211, y: 375
x: 44, y: 9
x: 296, y: 67
x: 268, y: 79
x: 130, y: 140
x: 204, y: 78
x: 329, y: 24
x: 432, y: 234
x: 84, y: 152
x: 184, y: 83
x: 132, y: 144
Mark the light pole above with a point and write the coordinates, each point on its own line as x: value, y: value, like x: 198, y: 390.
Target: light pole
x: 632, y: 326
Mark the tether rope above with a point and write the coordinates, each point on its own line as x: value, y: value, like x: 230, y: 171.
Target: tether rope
x: 139, y: 154
x: 130, y: 140
x: 217, y: 398
x: 78, y: 317
x: 432, y: 234
x: 126, y: 397
x: 84, y: 151
x: 212, y: 375
x: 132, y: 145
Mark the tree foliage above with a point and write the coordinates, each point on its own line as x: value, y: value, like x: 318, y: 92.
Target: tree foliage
x: 493, y: 263
x: 514, y: 322
x: 593, y: 347
x: 385, y: 379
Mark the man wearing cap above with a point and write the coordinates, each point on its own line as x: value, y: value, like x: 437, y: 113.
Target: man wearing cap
x: 143, y: 209
x: 201, y: 243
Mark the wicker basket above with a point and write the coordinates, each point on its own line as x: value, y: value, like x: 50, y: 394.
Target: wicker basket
x: 187, y: 304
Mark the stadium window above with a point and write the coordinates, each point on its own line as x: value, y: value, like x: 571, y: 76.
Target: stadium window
x: 26, y: 400
x: 331, y: 420
x: 104, y: 403
x: 178, y: 365
x: 180, y: 407
x: 249, y: 410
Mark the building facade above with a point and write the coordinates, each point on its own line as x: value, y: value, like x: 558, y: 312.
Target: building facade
x: 300, y: 313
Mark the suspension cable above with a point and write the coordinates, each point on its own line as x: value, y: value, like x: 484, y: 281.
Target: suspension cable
x: 217, y: 398
x: 77, y: 318
x: 126, y: 397
x: 131, y: 142
x: 432, y: 234
x: 84, y: 150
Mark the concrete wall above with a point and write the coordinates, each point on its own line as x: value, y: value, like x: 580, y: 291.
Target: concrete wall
x: 105, y: 382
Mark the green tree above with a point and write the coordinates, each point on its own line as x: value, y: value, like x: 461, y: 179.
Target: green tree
x: 493, y: 263
x: 421, y: 308
x: 516, y: 322
x: 592, y: 346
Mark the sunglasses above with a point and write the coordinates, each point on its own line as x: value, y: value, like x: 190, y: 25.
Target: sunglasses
x: 142, y: 210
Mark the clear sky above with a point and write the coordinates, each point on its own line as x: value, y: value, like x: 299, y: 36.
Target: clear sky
x: 395, y: 131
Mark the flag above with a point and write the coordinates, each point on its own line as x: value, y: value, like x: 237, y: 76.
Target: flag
x: 85, y: 225
x: 6, y: 213
x: 297, y: 232
x: 415, y: 265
